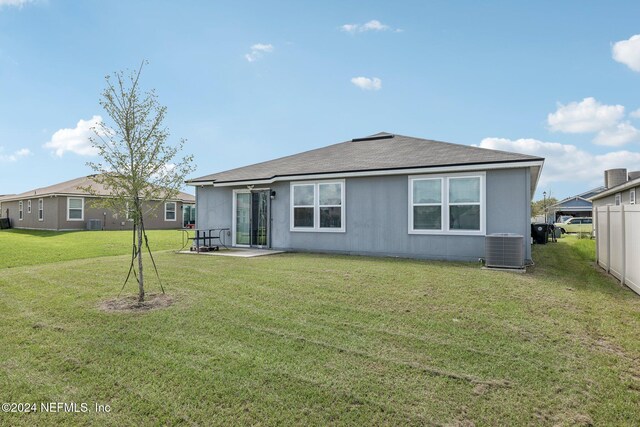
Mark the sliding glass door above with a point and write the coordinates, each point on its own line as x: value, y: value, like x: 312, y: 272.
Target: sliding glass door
x: 252, y: 218
x: 243, y: 218
x: 259, y: 218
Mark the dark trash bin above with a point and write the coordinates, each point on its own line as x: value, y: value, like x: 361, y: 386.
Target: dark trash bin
x: 540, y: 233
x: 4, y: 223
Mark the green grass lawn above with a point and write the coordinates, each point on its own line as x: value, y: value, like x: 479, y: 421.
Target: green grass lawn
x: 317, y: 339
x: 31, y: 247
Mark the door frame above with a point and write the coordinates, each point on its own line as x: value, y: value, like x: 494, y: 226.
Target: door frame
x: 234, y: 212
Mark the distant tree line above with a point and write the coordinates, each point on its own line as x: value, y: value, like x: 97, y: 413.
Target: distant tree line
x: 538, y: 206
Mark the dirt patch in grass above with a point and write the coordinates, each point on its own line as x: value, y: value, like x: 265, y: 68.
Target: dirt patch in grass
x: 132, y: 305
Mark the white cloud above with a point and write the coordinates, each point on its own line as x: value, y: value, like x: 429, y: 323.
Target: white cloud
x: 366, y: 83
x: 588, y: 115
x: 373, y: 25
x: 591, y: 116
x: 15, y: 156
x: 257, y: 51
x: 565, y: 162
x: 627, y: 52
x: 262, y: 47
x: 350, y: 28
x: 75, y: 140
x: 14, y: 3
x: 621, y: 134
x: 165, y: 169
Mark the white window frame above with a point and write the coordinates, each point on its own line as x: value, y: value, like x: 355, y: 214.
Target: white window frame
x: 445, y: 179
x: 127, y: 215
x: 28, y: 206
x: 40, y: 209
x: 316, y: 207
x: 20, y: 210
x: 175, y: 211
x: 312, y: 206
x: 441, y: 204
x: 81, y: 209
x: 617, y: 199
x: 632, y: 196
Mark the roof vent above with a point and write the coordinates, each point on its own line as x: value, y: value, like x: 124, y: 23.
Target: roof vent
x: 615, y: 177
x: 634, y: 175
x: 373, y: 137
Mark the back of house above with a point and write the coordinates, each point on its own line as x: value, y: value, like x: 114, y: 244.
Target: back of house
x: 384, y: 195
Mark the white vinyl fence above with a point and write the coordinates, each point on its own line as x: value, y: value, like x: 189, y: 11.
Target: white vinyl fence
x: 618, y: 242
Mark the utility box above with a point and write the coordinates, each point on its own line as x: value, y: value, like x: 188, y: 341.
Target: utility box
x: 504, y: 250
x: 94, y: 224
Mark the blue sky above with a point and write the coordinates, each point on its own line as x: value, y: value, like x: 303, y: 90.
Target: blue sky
x: 249, y: 81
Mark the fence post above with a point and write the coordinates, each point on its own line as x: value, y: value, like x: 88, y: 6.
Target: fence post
x: 624, y: 246
x: 597, y: 232
x: 608, y: 239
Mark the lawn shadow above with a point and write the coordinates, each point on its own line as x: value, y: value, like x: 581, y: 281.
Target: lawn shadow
x: 38, y: 233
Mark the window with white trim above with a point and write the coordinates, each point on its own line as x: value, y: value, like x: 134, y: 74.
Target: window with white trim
x: 130, y: 211
x: 20, y: 210
x: 427, y: 204
x: 632, y: 196
x: 618, y: 199
x: 29, y: 206
x: 304, y: 205
x: 170, y: 211
x: 75, y: 209
x: 40, y: 209
x: 464, y: 203
x: 446, y: 204
x: 317, y: 206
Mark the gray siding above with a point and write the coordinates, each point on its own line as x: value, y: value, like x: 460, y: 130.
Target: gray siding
x: 154, y: 220
x: 377, y: 218
x: 611, y: 199
x: 509, y: 204
x: 30, y: 220
x: 55, y: 216
x: 214, y: 207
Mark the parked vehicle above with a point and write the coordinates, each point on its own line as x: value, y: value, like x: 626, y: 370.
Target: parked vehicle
x: 576, y: 225
x: 564, y: 218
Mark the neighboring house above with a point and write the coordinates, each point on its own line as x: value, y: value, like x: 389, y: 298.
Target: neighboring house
x: 385, y: 194
x: 623, y: 194
x: 65, y: 206
x: 575, y: 206
x: 617, y: 227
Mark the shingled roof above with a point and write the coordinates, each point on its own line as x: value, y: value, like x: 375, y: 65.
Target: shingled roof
x: 73, y: 188
x: 380, y: 152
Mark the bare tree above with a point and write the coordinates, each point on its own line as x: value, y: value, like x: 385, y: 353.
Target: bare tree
x: 138, y: 167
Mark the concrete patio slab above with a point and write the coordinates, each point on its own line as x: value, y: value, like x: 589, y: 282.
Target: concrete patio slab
x: 236, y: 252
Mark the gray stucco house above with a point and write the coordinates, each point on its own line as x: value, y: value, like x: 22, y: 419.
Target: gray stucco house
x: 67, y: 206
x: 385, y: 195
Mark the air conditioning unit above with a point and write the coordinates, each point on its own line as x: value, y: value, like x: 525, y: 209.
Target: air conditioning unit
x: 94, y: 224
x: 504, y: 250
